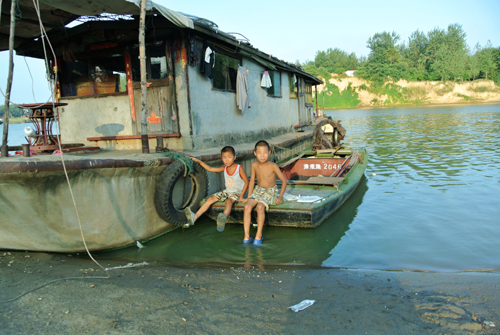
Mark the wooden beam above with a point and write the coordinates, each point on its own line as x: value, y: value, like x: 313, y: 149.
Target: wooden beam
x: 130, y: 137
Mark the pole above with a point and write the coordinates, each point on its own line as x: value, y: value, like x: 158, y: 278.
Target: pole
x: 323, y: 101
x: 317, y: 111
x: 5, y: 148
x: 144, y: 92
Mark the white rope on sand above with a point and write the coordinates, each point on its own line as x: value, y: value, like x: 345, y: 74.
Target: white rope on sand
x: 129, y: 265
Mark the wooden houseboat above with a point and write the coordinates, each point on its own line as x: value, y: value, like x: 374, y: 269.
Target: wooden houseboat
x: 205, y: 89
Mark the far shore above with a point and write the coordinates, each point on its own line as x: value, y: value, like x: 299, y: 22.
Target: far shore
x: 430, y: 104
x: 16, y: 120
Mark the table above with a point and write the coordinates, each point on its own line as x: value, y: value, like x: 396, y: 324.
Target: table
x: 43, y: 118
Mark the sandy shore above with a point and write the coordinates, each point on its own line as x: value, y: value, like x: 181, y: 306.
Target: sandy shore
x: 160, y: 299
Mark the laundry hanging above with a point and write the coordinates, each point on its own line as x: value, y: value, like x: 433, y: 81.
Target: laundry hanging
x: 266, y: 80
x: 207, y: 65
x: 242, y: 98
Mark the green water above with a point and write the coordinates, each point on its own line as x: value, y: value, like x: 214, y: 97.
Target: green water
x: 430, y: 201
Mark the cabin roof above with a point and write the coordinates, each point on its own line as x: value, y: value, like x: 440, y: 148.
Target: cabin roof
x: 57, y: 14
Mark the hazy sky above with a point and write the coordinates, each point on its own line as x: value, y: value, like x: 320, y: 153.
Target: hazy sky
x: 293, y: 30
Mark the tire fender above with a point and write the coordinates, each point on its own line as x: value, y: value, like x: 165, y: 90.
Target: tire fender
x: 174, y: 192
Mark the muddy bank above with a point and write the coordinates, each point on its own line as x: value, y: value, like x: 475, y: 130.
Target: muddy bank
x: 159, y: 299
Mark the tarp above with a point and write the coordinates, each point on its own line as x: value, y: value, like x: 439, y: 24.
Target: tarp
x: 55, y: 14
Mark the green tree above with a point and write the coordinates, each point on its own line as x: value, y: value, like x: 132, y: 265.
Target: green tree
x: 487, y: 63
x: 473, y: 63
x: 384, y: 60
x: 416, y: 54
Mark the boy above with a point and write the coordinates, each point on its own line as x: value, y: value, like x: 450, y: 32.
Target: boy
x: 236, y: 185
x: 265, y: 191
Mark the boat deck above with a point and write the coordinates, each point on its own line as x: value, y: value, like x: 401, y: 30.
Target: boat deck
x: 132, y: 158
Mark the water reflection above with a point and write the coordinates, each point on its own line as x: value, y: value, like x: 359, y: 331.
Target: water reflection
x: 203, y: 245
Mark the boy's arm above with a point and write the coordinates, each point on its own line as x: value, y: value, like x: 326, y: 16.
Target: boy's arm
x: 207, y: 167
x: 251, y: 183
x: 281, y: 177
x: 243, y: 176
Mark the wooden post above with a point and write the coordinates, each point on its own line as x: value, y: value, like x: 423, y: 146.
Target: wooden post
x: 317, y: 111
x: 324, y: 100
x: 144, y: 84
x: 5, y: 148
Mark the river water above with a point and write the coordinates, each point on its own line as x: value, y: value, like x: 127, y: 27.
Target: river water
x: 430, y: 201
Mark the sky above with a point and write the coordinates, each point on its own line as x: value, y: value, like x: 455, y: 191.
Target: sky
x: 296, y: 30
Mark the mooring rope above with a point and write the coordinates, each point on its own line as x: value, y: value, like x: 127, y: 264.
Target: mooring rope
x: 188, y: 163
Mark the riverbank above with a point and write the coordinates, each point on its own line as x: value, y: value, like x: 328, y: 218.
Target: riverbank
x: 158, y: 298
x: 354, y: 92
x: 15, y: 120
x: 429, y: 104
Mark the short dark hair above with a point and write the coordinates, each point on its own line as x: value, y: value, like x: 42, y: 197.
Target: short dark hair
x: 228, y: 148
x: 262, y: 143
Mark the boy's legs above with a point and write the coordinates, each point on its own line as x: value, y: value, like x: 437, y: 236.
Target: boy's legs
x: 247, y: 217
x: 228, y: 206
x: 261, y: 216
x: 210, y: 201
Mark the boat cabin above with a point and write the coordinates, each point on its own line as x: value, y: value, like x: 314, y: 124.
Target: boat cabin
x: 205, y: 88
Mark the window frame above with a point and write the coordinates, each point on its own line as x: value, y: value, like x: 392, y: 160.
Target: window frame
x: 218, y: 55
x: 273, y: 87
x: 91, y: 60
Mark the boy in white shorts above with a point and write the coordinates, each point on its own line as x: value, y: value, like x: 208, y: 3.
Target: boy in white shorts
x: 236, y: 185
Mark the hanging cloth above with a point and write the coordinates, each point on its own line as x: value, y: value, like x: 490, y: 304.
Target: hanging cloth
x: 266, y: 80
x: 207, y: 65
x: 242, y: 98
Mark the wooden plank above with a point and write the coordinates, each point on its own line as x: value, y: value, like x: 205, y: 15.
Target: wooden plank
x: 130, y: 137
x: 334, y: 181
x: 354, y: 158
x: 291, y: 161
x: 81, y: 149
x: 338, y: 151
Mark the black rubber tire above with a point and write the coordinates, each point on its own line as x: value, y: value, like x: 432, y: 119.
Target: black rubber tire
x: 164, y: 194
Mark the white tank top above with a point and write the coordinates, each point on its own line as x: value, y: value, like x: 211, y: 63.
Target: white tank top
x: 234, y: 183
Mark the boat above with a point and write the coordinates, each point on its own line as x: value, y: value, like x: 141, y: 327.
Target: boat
x: 319, y: 181
x: 120, y: 191
x: 1, y: 121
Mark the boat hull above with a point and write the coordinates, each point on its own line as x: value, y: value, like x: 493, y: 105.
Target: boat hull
x: 304, y: 215
x: 115, y: 209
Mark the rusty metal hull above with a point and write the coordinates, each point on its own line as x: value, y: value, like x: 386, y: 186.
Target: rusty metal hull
x: 304, y: 215
x: 115, y: 206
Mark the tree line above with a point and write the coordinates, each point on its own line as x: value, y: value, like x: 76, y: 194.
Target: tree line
x: 14, y: 111
x: 438, y: 55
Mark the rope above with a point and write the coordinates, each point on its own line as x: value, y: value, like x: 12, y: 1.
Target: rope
x: 188, y: 163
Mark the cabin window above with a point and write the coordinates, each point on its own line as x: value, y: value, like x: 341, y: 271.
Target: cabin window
x: 308, y: 90
x: 275, y: 90
x: 293, y: 83
x: 156, y: 63
x: 94, y: 76
x: 225, y: 71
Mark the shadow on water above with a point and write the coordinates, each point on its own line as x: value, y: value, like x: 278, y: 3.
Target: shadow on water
x: 203, y: 245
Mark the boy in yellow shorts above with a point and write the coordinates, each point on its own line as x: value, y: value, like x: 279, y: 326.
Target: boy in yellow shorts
x: 236, y: 185
x: 264, y: 193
